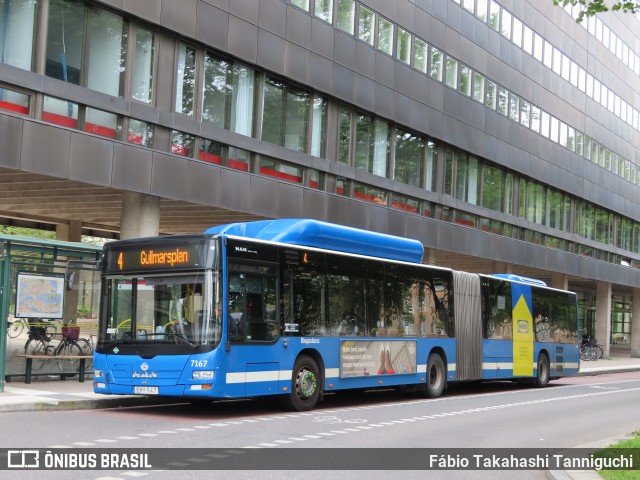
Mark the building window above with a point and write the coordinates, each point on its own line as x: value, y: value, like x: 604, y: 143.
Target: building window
x: 182, y: 143
x: 60, y: 112
x: 342, y: 186
x: 144, y: 57
x: 372, y: 145
x: 405, y: 203
x: 211, y: 152
x: 525, y: 114
x: 493, y: 188
x: 315, y: 179
x: 491, y: 95
x: 324, y: 10
x: 284, y: 115
x: 13, y: 101
x: 451, y: 73
x: 478, y: 87
x: 385, y: 36
x: 239, y: 159
x: 464, y: 83
x: 514, y: 107
x: 102, y: 123
x: 558, y: 211
x: 140, y: 133
x: 370, y: 194
x: 420, y: 55
x: 404, y: 46
x: 303, y: 4
x: 346, y: 15
x: 319, y: 127
x: 281, y: 171
x: 103, y: 47
x: 505, y: 24
x: 16, y: 32
x: 227, y: 96
x: 366, y: 24
x: 185, y: 79
x: 344, y: 145
x: 436, y: 69
x: 65, y: 40
x: 494, y: 15
x: 503, y: 95
x: 409, y: 157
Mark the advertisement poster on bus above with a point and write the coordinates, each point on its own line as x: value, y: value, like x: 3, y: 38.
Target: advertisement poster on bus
x: 359, y: 358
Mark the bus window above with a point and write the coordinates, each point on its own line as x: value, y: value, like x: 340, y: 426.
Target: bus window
x: 252, y: 305
x: 497, y: 298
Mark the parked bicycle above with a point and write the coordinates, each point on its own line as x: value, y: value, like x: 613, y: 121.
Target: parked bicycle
x: 19, y: 325
x: 590, y: 349
x: 38, y: 344
x: 69, y: 347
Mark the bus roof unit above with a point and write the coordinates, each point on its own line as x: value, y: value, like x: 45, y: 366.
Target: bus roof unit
x: 314, y: 233
x: 518, y: 278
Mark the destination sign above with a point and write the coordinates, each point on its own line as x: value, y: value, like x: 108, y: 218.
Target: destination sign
x: 159, y: 255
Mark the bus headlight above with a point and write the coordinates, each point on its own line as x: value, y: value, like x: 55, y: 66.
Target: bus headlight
x: 98, y: 373
x: 202, y: 374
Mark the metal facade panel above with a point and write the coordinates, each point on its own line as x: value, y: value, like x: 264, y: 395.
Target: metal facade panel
x: 290, y: 199
x: 203, y: 183
x: 179, y: 16
x: 235, y: 190
x: 271, y: 52
x: 298, y: 27
x: 45, y: 149
x: 90, y: 159
x: 169, y: 176
x: 296, y: 63
x: 11, y: 141
x: 263, y: 195
x: 273, y: 16
x: 243, y: 39
x: 212, y: 26
x: 131, y: 168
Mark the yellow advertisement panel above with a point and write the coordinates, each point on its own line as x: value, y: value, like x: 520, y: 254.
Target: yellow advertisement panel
x: 522, y: 338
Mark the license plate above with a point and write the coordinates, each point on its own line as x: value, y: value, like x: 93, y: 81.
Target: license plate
x: 146, y: 390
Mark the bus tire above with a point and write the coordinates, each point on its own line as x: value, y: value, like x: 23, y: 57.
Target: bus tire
x: 305, y: 386
x: 436, y: 377
x: 543, y: 373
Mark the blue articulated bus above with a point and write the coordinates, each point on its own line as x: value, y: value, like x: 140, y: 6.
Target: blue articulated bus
x: 299, y: 308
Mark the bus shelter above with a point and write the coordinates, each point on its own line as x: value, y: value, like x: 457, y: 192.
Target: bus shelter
x: 49, y: 296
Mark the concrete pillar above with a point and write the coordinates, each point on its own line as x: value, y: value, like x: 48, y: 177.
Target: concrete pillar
x: 140, y: 215
x: 71, y: 232
x: 635, y: 323
x: 559, y: 280
x: 603, y: 316
x: 430, y: 256
x: 501, y: 267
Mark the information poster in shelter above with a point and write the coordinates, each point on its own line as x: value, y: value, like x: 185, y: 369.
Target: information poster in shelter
x: 39, y: 296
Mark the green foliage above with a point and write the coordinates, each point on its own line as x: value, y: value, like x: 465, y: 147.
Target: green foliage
x: 592, y: 7
x: 629, y: 447
x: 27, y: 232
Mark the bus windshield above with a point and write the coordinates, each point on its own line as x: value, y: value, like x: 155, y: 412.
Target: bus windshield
x: 165, y: 309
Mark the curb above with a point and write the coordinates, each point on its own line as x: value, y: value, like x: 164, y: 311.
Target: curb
x: 80, y: 404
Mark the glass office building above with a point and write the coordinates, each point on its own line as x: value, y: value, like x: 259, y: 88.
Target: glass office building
x: 502, y: 134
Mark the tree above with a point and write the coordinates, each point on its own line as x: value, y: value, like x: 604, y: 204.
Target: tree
x: 592, y: 7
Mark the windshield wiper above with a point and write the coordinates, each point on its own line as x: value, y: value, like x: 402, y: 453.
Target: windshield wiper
x: 195, y: 346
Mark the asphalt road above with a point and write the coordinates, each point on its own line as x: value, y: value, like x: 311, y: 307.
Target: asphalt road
x: 570, y: 413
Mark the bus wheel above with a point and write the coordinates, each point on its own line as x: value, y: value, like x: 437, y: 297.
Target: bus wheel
x: 436, y: 377
x: 305, y: 386
x: 544, y: 373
